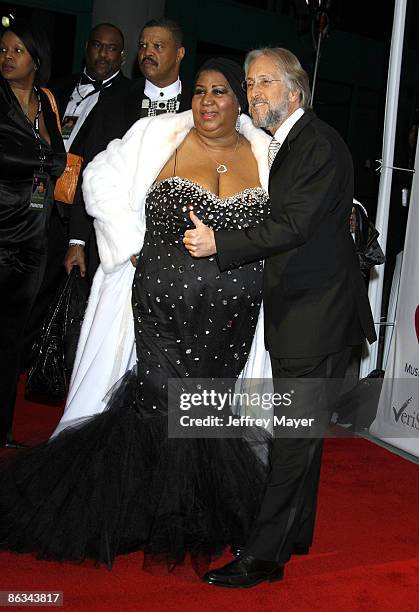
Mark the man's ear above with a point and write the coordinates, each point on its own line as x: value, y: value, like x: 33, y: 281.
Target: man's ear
x: 293, y: 95
x: 123, y: 58
x: 180, y: 54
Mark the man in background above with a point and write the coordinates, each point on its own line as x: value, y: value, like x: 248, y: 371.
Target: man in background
x: 160, y: 53
x: 80, y: 99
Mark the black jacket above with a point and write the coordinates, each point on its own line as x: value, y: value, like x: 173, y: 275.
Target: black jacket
x: 314, y: 297
x: 62, y: 91
x: 19, y: 158
x: 116, y: 116
x: 114, y: 120
x: 88, y: 140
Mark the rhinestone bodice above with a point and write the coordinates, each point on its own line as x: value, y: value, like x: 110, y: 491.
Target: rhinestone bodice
x: 190, y: 318
x: 174, y: 196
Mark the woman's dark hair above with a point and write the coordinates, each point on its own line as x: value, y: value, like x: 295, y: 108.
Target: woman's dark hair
x: 37, y: 44
x: 233, y: 73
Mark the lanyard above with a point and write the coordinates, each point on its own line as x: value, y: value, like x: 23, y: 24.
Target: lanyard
x: 36, y: 132
x: 83, y: 98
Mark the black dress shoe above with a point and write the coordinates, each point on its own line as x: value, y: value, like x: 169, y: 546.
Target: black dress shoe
x: 246, y: 571
x: 12, y: 444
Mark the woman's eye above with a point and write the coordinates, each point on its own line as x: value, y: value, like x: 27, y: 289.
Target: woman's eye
x: 198, y: 92
x: 219, y: 91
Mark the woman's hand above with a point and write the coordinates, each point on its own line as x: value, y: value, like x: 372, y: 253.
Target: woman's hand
x: 134, y: 260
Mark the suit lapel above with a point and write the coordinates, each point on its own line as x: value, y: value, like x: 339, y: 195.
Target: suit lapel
x: 132, y: 104
x: 79, y: 139
x: 18, y: 118
x: 287, y: 144
x: 63, y: 95
x: 185, y: 98
x: 279, y: 156
x: 13, y: 110
x: 77, y: 145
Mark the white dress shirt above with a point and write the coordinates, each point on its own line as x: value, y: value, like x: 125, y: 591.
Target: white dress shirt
x: 285, y: 128
x: 162, y: 93
x: 80, y: 105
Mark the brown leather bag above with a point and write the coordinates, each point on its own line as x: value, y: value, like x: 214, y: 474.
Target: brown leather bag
x: 66, y: 185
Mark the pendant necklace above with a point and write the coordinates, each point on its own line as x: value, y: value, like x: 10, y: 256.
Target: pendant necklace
x: 221, y: 168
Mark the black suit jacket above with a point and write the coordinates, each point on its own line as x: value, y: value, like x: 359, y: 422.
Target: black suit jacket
x: 89, y: 140
x: 112, y: 96
x: 115, y: 117
x: 314, y: 296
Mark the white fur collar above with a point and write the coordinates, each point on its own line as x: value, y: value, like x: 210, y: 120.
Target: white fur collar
x: 116, y: 182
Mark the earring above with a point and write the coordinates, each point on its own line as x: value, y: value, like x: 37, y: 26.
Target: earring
x: 238, y: 120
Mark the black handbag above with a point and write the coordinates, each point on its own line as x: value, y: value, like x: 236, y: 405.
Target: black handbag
x: 367, y: 247
x: 54, y: 349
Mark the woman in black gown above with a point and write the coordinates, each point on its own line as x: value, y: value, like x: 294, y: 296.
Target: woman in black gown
x: 117, y: 482
x: 31, y: 157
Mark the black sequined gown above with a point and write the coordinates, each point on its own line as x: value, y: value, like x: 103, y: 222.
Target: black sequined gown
x: 117, y: 483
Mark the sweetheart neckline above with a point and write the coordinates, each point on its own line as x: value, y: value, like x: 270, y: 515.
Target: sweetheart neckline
x: 201, y: 188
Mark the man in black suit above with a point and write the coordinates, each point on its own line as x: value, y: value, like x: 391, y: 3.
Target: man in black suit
x: 82, y: 99
x: 79, y: 100
x: 161, y: 91
x: 315, y: 302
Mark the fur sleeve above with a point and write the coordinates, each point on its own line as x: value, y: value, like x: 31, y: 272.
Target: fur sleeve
x: 108, y: 183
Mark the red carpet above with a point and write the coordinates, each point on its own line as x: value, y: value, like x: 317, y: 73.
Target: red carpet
x: 365, y: 556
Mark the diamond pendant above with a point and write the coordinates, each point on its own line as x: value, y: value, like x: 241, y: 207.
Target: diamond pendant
x: 221, y: 169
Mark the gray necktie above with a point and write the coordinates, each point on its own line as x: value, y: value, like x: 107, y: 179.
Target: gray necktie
x: 274, y: 147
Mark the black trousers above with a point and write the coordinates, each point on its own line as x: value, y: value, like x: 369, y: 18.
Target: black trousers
x: 53, y: 278
x: 288, y: 510
x: 21, y: 271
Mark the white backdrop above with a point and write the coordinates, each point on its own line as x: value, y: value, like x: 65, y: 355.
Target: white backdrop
x: 397, y: 420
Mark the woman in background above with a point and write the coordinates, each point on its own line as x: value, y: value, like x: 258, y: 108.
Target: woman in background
x: 32, y: 156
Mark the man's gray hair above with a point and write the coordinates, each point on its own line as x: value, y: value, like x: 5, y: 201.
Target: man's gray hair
x: 294, y: 75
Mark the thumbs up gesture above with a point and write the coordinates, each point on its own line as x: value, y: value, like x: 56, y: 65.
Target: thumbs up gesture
x: 200, y: 241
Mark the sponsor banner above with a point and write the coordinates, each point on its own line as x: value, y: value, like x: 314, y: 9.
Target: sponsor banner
x: 399, y: 401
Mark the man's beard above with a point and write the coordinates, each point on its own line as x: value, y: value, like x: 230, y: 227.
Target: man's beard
x: 273, y: 117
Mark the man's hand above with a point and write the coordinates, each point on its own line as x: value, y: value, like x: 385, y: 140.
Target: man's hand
x: 75, y: 257
x: 200, y: 241
x: 134, y: 260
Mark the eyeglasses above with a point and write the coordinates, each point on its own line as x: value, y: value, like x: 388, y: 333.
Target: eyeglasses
x: 262, y: 82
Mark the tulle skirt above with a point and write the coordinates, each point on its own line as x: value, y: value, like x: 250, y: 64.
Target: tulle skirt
x: 115, y: 483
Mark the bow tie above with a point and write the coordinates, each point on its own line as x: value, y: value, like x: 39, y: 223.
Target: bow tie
x: 85, y: 80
